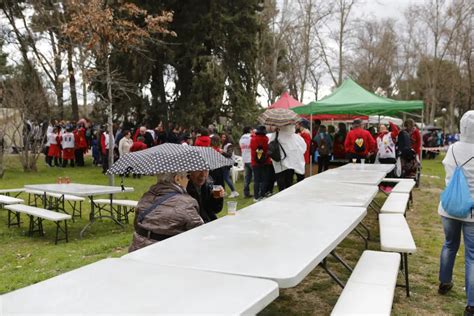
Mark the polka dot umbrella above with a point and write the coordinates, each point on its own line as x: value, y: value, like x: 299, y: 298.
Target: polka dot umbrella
x: 169, y: 158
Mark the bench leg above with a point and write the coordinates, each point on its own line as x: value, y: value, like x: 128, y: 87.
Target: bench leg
x: 36, y: 225
x: 344, y: 263
x: 64, y: 230
x: 404, y: 270
x: 323, y: 265
x: 15, y: 215
x: 377, y: 212
x: 366, y: 242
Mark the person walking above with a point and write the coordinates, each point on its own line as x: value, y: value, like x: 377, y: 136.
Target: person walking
x: 260, y: 163
x: 459, y: 154
x: 325, y: 147
x: 246, y: 159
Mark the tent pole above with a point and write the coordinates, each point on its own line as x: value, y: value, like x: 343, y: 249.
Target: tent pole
x: 311, y: 154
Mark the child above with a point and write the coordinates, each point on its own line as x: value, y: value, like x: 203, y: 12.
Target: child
x: 68, y: 147
x: 54, y: 151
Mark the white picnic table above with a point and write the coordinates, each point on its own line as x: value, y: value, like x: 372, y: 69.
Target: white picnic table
x: 86, y: 190
x: 278, y: 240
x: 124, y: 287
x: 350, y: 176
x: 387, y: 168
x: 328, y: 192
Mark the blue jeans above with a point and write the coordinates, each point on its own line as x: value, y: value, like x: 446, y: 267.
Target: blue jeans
x: 227, y: 179
x: 452, y: 232
x: 247, y: 178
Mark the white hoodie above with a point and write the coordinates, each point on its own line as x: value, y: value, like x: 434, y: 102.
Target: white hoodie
x: 463, y: 150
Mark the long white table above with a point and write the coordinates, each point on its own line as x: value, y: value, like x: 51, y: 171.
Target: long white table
x: 86, y: 190
x: 328, y: 192
x: 282, y: 241
x: 368, y: 167
x: 351, y: 176
x: 124, y: 287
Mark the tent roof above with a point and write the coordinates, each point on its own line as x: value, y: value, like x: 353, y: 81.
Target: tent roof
x: 350, y: 98
x: 285, y: 101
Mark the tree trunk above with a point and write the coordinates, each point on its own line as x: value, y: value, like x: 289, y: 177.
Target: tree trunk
x: 158, y: 93
x: 2, y: 169
x: 72, y: 84
x: 109, y: 118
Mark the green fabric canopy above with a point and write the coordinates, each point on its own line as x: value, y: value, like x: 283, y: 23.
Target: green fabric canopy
x: 350, y: 98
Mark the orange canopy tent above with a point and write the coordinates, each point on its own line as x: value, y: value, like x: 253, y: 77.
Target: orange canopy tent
x: 285, y: 101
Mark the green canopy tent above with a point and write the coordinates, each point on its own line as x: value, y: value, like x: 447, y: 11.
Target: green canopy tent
x: 350, y: 98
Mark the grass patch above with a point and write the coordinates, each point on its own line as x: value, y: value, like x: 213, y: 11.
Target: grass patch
x: 25, y: 261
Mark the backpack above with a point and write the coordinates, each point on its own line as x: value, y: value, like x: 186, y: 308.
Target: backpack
x: 323, y: 148
x: 456, y: 198
x: 359, y: 145
x: 274, y: 149
x: 260, y: 156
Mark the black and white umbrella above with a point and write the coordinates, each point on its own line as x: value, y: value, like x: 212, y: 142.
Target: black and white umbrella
x: 169, y: 158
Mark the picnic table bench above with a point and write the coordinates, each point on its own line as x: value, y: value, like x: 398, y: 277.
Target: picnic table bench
x: 7, y: 192
x: 56, y: 201
x: 7, y: 200
x: 395, y: 236
x: 371, y: 286
x: 124, y: 207
x: 37, y: 215
x: 396, y: 203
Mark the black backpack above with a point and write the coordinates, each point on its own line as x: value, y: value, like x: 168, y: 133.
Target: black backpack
x: 323, y: 147
x: 359, y: 145
x: 260, y: 156
x: 274, y: 149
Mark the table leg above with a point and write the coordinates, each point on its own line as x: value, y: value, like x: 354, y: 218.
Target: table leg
x: 92, y: 217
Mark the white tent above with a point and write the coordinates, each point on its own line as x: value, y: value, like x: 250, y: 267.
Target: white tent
x: 376, y: 119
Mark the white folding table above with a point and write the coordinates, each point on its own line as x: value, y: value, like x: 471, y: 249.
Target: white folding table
x: 387, y: 168
x: 328, y: 192
x: 124, y: 287
x: 350, y: 176
x: 86, y: 190
x: 278, y: 240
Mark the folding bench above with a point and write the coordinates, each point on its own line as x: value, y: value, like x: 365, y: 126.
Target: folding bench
x: 124, y: 207
x: 396, y: 203
x: 395, y: 236
x: 37, y: 215
x: 371, y: 286
x: 7, y: 200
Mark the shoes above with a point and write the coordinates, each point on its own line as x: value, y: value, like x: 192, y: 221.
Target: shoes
x: 248, y: 196
x: 444, y: 288
x: 469, y: 311
x: 234, y: 194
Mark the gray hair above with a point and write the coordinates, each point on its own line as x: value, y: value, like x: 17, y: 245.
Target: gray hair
x: 169, y: 177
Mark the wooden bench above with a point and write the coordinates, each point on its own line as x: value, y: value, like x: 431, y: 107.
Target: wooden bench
x: 37, y: 215
x: 9, y: 192
x: 56, y: 201
x: 371, y: 286
x: 124, y: 207
x: 395, y: 236
x: 7, y: 200
x: 396, y: 203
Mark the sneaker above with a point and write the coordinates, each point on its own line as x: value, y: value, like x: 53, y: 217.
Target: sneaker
x: 248, y: 196
x: 469, y: 311
x: 234, y: 194
x: 444, y: 288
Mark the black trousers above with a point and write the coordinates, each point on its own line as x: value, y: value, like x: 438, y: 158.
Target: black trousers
x: 285, y: 179
x: 105, y: 161
x: 323, y: 163
x: 79, y: 154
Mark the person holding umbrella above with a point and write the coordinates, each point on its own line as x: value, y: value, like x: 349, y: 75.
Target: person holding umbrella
x: 164, y: 211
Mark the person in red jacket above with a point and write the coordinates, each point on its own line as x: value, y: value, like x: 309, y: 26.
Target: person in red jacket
x: 80, y: 144
x: 415, y: 137
x: 260, y: 162
x: 359, y: 143
x: 302, y: 128
x: 138, y: 145
x: 203, y: 139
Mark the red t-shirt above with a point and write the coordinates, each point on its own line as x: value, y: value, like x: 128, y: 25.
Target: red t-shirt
x: 255, y: 141
x: 353, y: 135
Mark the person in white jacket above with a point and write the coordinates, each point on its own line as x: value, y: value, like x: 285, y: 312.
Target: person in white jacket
x: 458, y: 154
x: 292, y: 161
